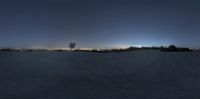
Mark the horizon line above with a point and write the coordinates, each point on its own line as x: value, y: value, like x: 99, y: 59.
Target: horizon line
x: 82, y: 48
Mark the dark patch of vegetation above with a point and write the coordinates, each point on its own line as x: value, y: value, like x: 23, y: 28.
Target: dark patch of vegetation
x: 22, y: 50
x: 173, y: 48
x: 9, y: 49
x: 33, y: 50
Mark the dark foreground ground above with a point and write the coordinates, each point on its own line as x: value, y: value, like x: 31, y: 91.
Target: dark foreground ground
x: 85, y: 75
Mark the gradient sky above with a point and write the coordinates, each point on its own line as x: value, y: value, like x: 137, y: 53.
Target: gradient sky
x: 99, y: 23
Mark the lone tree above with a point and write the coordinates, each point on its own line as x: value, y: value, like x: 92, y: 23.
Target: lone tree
x: 72, y: 45
x: 172, y: 47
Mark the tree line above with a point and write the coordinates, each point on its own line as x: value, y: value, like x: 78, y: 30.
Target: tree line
x: 72, y: 47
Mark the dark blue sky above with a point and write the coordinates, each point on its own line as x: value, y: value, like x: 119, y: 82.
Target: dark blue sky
x: 99, y: 23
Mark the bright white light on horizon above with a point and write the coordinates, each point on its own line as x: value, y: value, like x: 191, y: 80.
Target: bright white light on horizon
x: 126, y: 46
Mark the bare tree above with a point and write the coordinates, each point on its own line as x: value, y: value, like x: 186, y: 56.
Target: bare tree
x: 72, y: 45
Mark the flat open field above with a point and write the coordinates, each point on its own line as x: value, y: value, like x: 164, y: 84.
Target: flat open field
x: 86, y: 75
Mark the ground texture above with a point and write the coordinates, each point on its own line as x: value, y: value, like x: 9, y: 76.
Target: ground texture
x: 85, y: 75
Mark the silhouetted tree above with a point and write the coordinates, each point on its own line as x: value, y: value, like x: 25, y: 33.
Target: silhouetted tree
x: 172, y: 47
x: 72, y: 45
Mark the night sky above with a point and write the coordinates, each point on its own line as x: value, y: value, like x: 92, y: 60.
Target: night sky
x: 99, y: 23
